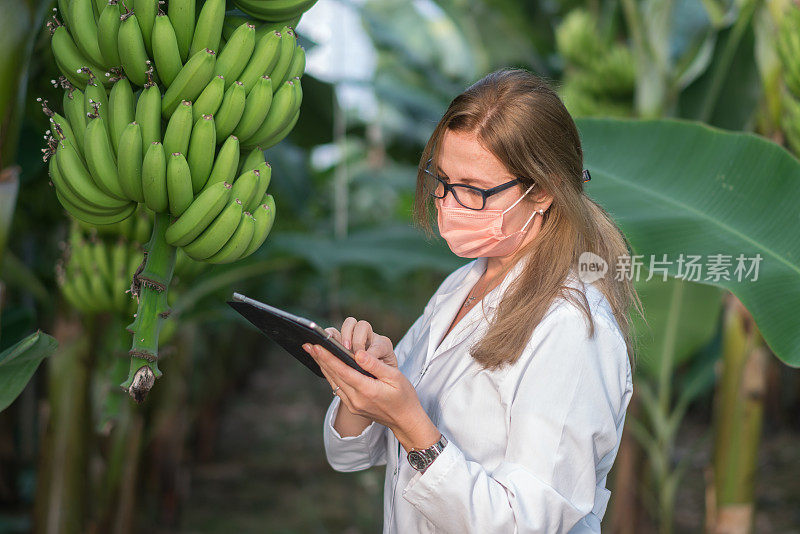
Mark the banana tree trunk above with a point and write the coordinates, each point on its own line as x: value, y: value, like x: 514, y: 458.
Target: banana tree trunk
x: 61, y: 505
x: 738, y: 409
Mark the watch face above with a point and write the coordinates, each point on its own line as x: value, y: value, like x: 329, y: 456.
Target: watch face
x: 417, y: 460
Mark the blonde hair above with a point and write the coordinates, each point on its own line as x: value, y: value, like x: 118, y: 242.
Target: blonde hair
x: 519, y: 119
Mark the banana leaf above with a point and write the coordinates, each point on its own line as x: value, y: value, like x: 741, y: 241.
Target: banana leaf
x: 20, y: 361
x: 681, y: 187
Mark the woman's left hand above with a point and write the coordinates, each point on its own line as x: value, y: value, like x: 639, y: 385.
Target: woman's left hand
x: 390, y: 399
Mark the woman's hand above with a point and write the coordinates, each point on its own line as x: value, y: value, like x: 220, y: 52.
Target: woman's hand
x: 358, y: 335
x: 389, y: 399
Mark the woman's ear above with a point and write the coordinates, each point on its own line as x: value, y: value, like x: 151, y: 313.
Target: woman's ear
x: 543, y: 201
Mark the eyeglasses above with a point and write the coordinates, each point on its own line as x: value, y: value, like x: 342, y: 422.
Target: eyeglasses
x: 469, y: 196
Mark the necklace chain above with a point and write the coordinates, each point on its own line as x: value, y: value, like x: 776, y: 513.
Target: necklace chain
x: 468, y: 302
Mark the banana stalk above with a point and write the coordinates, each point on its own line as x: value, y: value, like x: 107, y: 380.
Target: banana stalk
x: 150, y: 285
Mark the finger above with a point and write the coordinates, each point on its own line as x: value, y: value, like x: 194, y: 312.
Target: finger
x: 309, y: 348
x: 334, y: 333
x: 362, y: 335
x: 380, y: 346
x: 347, y: 332
x: 341, y: 372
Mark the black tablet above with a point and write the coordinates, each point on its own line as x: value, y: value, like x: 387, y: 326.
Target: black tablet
x: 291, y: 332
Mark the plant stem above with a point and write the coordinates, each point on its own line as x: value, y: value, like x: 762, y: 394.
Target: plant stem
x: 150, y: 286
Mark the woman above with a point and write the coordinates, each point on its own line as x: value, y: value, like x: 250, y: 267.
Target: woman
x: 515, y: 379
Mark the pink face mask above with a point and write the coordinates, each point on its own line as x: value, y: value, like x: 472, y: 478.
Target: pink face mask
x: 477, y: 233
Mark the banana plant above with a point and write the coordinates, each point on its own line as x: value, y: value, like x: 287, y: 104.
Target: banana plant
x: 671, y: 203
x: 681, y: 322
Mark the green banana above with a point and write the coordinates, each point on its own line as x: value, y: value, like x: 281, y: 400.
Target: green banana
x: 230, y: 111
x: 58, y: 121
x: 255, y: 109
x: 245, y: 187
x: 108, y: 32
x: 95, y: 97
x: 61, y: 185
x: 70, y: 60
x: 265, y: 56
x: 264, y: 177
x: 226, y: 162
x: 179, y: 184
x: 253, y: 159
x: 298, y: 65
x: 63, y: 8
x: 132, y: 52
x: 273, y: 10
x: 238, y: 243
x: 100, y: 159
x: 210, y: 99
x: 98, y: 6
x: 154, y: 178
x: 203, y: 209
x: 278, y: 137
x: 121, y: 109
x: 77, y: 178
x: 100, y: 257
x: 217, y: 233
x: 81, y: 213
x: 146, y: 11
x: 202, y: 146
x: 119, y: 260
x: 148, y: 114
x: 265, y: 217
x: 280, y: 113
x: 285, y: 56
x: 129, y: 162
x: 181, y: 15
x: 208, y: 29
x: 75, y: 114
x: 190, y: 81
x: 166, y: 53
x: 179, y: 129
x: 234, y: 56
x: 85, y: 31
x: 99, y: 289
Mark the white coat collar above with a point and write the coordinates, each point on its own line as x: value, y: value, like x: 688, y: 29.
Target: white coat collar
x: 448, y: 303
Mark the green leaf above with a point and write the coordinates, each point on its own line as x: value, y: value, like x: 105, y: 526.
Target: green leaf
x: 681, y: 187
x: 393, y: 250
x: 681, y: 317
x: 20, y: 361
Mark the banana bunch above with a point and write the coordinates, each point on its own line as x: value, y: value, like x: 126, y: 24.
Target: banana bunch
x: 599, y: 74
x: 166, y: 115
x: 94, y: 275
x: 788, y: 48
x: 274, y: 10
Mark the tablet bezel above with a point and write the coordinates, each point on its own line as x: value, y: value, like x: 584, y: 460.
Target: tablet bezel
x: 320, y: 336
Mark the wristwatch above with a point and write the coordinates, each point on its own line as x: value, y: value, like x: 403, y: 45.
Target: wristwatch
x: 420, y: 459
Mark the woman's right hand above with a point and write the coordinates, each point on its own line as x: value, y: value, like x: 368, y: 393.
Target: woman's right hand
x: 358, y: 335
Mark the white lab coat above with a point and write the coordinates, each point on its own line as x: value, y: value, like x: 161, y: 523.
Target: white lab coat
x: 530, y: 445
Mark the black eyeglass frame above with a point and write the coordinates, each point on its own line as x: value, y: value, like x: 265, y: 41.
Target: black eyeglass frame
x: 485, y: 193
